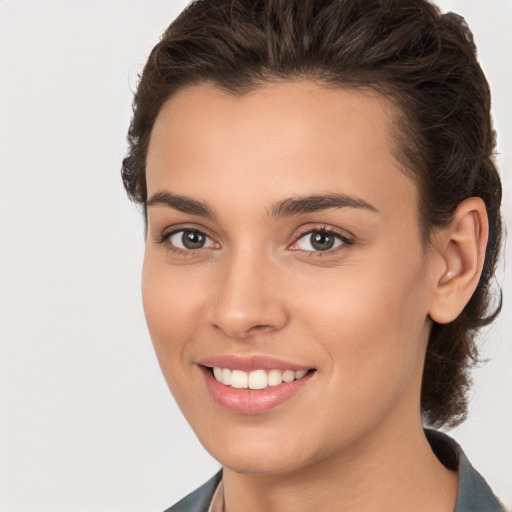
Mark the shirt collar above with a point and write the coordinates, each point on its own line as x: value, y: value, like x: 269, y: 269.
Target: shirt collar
x: 217, y: 503
x: 474, y: 494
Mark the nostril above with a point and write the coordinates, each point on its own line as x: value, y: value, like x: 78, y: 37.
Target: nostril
x: 261, y: 328
x: 242, y: 329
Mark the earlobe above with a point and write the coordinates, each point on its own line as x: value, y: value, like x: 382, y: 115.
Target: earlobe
x: 461, y: 246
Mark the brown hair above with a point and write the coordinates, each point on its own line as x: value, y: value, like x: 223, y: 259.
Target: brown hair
x: 422, y: 60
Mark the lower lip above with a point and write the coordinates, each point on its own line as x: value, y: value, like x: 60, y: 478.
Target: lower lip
x: 252, y: 401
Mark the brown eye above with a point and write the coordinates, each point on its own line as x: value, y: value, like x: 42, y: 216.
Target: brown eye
x: 322, y: 241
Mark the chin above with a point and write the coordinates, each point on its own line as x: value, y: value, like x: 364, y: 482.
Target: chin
x: 262, y: 452
x: 261, y: 463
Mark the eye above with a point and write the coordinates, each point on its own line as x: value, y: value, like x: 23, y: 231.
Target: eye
x: 189, y: 240
x: 319, y: 241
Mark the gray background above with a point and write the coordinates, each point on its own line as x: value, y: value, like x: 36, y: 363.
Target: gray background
x: 86, y: 422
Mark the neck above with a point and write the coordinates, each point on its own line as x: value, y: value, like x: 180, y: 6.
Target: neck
x: 396, y: 471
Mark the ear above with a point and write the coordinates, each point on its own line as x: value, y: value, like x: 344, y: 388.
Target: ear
x: 461, y: 247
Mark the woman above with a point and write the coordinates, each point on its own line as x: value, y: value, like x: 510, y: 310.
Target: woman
x: 323, y: 225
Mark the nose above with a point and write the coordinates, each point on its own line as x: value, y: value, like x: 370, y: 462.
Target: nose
x: 248, y: 299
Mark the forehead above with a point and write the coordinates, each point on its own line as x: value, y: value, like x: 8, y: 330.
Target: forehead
x: 296, y: 137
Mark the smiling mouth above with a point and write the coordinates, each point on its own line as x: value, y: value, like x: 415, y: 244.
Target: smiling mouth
x: 256, y: 379
x: 260, y: 387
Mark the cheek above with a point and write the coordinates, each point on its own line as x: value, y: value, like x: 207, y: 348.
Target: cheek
x: 172, y: 308
x: 371, y: 321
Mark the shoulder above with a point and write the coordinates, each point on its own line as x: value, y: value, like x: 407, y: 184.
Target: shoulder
x: 198, y: 500
x: 474, y: 494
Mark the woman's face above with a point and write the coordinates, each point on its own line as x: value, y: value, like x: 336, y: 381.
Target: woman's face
x: 284, y: 240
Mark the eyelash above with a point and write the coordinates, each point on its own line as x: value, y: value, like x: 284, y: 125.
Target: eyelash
x: 166, y: 236
x: 327, y: 230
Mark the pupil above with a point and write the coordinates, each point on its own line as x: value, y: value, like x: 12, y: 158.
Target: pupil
x: 322, y: 241
x: 193, y: 239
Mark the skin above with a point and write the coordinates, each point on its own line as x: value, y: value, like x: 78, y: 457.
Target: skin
x: 359, y: 314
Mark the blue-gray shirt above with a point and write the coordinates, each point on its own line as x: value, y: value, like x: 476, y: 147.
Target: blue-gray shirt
x: 473, y: 495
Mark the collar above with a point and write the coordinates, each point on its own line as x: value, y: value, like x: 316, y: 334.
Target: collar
x: 474, y: 494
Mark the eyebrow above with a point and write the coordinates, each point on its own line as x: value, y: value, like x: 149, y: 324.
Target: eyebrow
x: 181, y: 203
x: 315, y: 203
x: 286, y: 208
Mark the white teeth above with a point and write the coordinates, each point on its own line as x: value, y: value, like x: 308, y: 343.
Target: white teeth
x: 239, y: 379
x: 300, y: 373
x: 257, y: 379
x: 218, y: 373
x: 275, y: 377
x: 288, y: 376
x: 226, y: 376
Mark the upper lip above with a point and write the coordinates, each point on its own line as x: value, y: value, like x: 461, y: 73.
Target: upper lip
x: 250, y: 363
